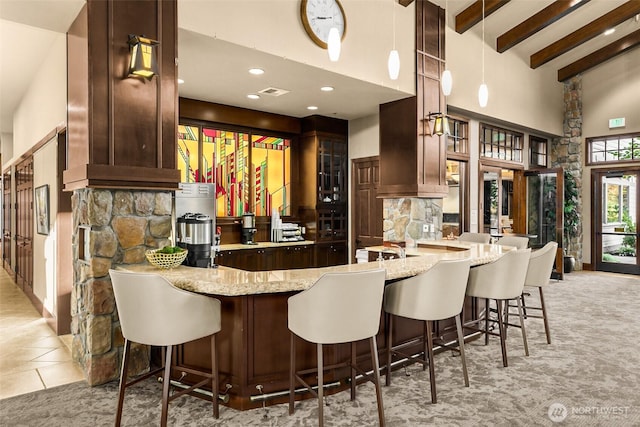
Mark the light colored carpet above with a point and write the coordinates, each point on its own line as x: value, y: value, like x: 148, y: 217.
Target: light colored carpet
x: 591, y: 368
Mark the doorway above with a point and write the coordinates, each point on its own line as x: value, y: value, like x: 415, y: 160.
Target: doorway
x: 615, y: 220
x: 366, y: 213
x: 496, y: 200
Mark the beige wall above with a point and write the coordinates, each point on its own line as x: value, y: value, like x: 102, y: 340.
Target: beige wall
x: 44, y: 105
x: 608, y: 91
x: 44, y: 247
x: 275, y: 27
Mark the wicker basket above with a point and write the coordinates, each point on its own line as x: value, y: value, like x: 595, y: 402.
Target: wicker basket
x: 163, y: 260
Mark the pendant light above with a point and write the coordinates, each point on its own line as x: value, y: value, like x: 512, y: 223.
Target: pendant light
x: 446, y: 81
x: 483, y: 91
x: 333, y: 44
x: 393, y: 64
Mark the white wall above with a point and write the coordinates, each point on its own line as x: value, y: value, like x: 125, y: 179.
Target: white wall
x: 6, y: 146
x: 44, y: 246
x: 44, y: 105
x: 275, y: 27
x: 608, y: 91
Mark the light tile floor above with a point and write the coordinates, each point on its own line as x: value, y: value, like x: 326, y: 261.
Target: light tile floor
x: 32, y: 357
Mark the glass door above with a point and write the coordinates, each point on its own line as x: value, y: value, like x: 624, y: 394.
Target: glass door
x: 616, y: 221
x: 496, y: 200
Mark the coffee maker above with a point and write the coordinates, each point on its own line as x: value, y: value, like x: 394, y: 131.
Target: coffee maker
x: 248, y: 228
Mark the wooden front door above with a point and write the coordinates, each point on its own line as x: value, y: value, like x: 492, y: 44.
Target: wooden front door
x: 24, y: 225
x: 6, y: 222
x: 366, y: 215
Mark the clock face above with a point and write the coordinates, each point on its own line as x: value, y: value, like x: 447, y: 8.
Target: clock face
x: 319, y: 16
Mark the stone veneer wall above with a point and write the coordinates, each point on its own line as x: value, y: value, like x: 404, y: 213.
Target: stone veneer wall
x: 404, y: 219
x: 568, y: 152
x: 121, y: 226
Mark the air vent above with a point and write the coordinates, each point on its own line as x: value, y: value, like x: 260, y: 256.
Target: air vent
x: 273, y: 91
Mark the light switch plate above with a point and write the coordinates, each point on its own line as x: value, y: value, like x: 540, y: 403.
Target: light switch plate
x: 425, y: 228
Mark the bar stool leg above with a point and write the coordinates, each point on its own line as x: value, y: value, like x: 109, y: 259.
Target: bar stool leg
x: 503, y: 344
x: 486, y: 321
x: 462, y: 355
x: 214, y: 378
x: 353, y: 371
x: 524, y: 333
x: 389, y: 346
x: 425, y: 345
x: 376, y: 374
x: 544, y: 317
x: 320, y: 387
x: 166, y: 381
x: 292, y: 373
x: 432, y: 371
x: 123, y: 380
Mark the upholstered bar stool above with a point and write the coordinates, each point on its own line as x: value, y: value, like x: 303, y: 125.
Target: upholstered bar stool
x: 515, y: 241
x: 538, y: 276
x: 154, y: 312
x: 501, y: 280
x: 474, y: 237
x: 436, y: 294
x: 337, y: 308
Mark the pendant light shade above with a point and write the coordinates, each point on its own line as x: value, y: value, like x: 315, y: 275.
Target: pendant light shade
x: 333, y: 44
x: 394, y: 65
x: 483, y: 95
x: 446, y: 82
x: 441, y: 126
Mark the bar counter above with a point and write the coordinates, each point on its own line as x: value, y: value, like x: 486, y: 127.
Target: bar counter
x: 253, y: 345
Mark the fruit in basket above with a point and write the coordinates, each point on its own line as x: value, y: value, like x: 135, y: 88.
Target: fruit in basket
x: 170, y: 250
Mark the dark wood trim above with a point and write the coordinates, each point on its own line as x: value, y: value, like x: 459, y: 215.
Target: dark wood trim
x: 64, y: 255
x: 612, y: 50
x: 405, y: 3
x: 226, y: 114
x: 473, y: 14
x: 503, y: 164
x: 537, y: 22
x: 594, y: 28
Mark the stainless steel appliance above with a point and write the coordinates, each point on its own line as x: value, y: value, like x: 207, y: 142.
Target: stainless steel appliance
x: 248, y: 228
x: 195, y: 219
x: 194, y: 231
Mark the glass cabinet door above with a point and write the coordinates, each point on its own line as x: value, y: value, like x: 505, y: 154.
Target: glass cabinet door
x: 331, y: 170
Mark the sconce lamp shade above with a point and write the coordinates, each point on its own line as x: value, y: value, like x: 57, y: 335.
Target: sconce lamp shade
x: 144, y: 57
x: 333, y: 44
x: 394, y: 64
x: 446, y: 82
x: 441, y: 126
x: 483, y: 95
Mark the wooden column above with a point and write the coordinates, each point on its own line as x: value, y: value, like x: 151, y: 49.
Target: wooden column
x: 121, y: 131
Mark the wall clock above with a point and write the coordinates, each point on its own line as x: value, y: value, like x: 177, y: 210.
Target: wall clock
x: 318, y: 16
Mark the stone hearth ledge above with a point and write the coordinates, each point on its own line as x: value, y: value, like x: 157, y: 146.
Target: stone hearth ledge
x: 234, y: 282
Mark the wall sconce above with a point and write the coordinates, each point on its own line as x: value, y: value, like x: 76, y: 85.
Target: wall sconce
x: 441, y: 124
x: 144, y: 57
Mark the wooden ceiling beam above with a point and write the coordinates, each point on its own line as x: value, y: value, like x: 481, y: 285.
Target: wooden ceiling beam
x: 585, y: 33
x: 599, y: 56
x: 473, y: 14
x: 405, y: 3
x: 537, y: 22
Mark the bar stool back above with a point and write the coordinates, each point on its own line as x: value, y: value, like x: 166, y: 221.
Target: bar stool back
x: 475, y: 237
x: 436, y: 294
x: 337, y: 308
x: 538, y: 275
x: 154, y: 312
x: 515, y: 241
x: 501, y: 280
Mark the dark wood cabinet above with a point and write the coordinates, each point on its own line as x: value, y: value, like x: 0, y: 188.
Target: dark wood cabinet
x: 292, y: 257
x: 265, y: 259
x: 324, y: 185
x: 328, y: 254
x: 412, y: 161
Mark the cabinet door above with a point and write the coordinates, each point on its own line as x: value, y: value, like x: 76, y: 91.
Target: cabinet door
x: 332, y: 223
x: 332, y: 169
x: 226, y: 258
x: 331, y: 254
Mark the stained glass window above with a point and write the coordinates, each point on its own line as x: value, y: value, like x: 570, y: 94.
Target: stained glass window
x: 271, y: 174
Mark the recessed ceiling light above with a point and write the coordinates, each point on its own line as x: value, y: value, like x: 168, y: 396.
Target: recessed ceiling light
x: 609, y: 31
x: 180, y: 81
x: 256, y: 71
x: 312, y: 107
x: 253, y: 96
x: 326, y: 88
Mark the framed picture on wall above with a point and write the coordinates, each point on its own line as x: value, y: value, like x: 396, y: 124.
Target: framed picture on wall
x: 42, y: 209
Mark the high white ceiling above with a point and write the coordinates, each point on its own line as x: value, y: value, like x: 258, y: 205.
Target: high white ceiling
x: 28, y: 28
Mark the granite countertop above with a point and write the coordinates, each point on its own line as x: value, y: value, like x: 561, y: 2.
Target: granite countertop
x: 234, y: 282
